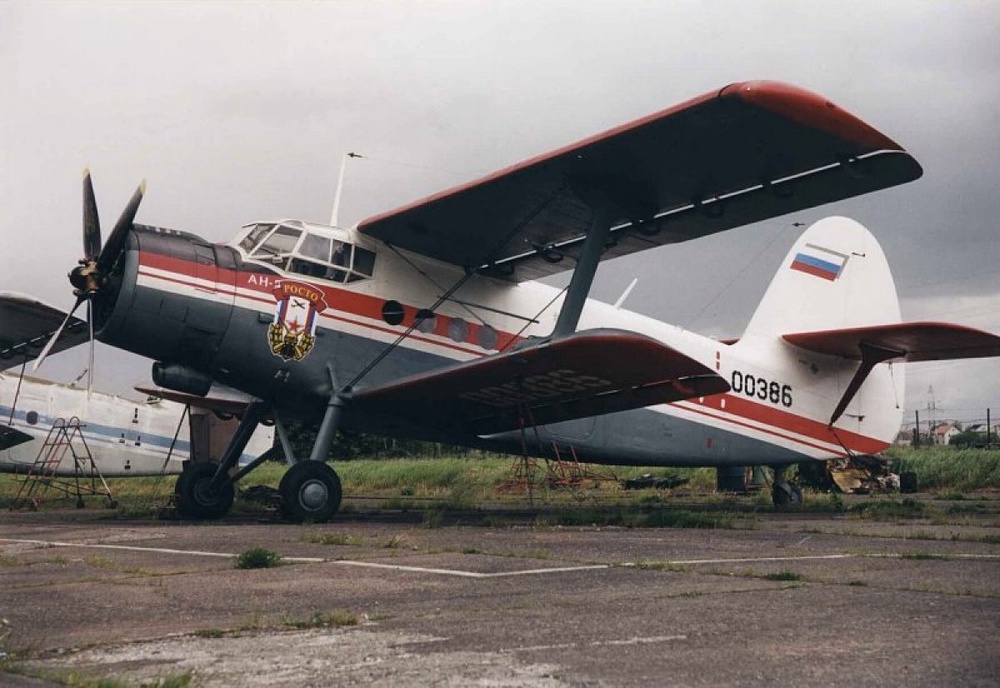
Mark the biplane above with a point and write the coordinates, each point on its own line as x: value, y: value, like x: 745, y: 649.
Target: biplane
x: 429, y: 322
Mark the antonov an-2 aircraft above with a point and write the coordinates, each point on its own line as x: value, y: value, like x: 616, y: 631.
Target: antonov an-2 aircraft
x: 427, y: 322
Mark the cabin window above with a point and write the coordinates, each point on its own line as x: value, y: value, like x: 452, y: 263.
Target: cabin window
x: 281, y: 242
x: 364, y: 263
x: 255, y: 235
x: 308, y: 251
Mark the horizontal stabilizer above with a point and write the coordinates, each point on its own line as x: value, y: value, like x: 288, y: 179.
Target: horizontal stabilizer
x: 11, y: 437
x: 585, y: 374
x: 233, y: 404
x: 26, y: 324
x: 915, y: 341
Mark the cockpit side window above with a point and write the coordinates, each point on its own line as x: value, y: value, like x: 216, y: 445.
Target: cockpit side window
x: 316, y: 247
x: 281, y: 242
x: 255, y: 235
x: 364, y: 264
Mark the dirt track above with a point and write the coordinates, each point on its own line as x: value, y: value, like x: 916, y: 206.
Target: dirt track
x: 781, y: 599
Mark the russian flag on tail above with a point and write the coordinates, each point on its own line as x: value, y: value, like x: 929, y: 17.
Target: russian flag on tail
x: 820, y: 262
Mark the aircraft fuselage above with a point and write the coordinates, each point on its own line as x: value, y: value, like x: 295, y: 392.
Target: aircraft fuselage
x: 210, y: 311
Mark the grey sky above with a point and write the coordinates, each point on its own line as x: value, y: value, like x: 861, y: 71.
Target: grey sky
x: 241, y: 111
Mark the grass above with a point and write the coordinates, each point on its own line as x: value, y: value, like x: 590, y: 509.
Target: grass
x: 464, y: 482
x: 949, y: 469
x: 77, y: 679
x: 338, y: 539
x: 889, y: 509
x: 336, y: 618
x: 922, y: 556
x: 258, y: 558
x: 782, y: 576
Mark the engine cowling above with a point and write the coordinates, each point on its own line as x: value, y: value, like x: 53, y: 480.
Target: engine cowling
x: 181, y: 378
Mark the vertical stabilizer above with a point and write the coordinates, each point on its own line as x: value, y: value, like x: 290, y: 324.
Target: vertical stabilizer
x: 835, y: 276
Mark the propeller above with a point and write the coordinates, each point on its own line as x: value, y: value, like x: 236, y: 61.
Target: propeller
x: 94, y: 269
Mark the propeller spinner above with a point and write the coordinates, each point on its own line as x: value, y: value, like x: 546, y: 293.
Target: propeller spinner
x: 91, y: 275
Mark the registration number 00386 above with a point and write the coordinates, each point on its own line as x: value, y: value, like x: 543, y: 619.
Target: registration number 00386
x: 761, y: 388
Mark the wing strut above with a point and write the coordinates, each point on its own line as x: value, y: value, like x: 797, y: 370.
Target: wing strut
x: 583, y: 276
x: 871, y: 356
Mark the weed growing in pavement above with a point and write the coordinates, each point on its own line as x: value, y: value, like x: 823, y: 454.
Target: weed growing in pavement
x: 209, y: 633
x: 782, y: 576
x: 341, y: 539
x: 922, y: 555
x: 335, y: 618
x: 889, y: 509
x: 258, y: 558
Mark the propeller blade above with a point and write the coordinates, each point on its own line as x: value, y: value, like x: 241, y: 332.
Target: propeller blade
x: 90, y: 366
x: 55, y: 337
x: 91, y: 223
x: 119, y: 235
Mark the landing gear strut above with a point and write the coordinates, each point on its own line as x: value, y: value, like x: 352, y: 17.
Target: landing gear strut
x: 310, y: 490
x: 784, y: 493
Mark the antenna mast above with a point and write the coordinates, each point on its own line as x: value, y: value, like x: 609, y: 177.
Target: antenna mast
x: 340, y: 187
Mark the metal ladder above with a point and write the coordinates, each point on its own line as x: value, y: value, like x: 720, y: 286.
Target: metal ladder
x: 65, y: 438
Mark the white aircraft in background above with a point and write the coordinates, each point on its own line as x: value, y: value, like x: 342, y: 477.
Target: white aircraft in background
x: 124, y: 437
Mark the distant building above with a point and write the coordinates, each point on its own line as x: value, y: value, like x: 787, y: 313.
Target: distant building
x: 943, y: 433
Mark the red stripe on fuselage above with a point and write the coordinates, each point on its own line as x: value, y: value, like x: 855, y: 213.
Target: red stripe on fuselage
x: 348, y: 303
x: 778, y: 420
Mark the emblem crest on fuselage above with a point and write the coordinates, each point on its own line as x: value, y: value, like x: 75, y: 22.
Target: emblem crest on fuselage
x: 292, y: 334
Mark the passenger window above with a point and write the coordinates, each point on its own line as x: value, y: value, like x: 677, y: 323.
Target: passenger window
x: 341, y: 256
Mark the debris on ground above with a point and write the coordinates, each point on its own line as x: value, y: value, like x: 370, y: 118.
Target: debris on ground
x: 648, y: 480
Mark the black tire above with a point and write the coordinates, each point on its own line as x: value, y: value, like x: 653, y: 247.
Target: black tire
x: 310, y: 492
x: 196, y: 499
x: 785, y: 495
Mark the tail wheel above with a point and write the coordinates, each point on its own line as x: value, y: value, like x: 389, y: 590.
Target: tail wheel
x: 310, y: 491
x: 196, y: 498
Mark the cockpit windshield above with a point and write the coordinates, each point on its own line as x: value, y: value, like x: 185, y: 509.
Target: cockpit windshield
x: 320, y: 252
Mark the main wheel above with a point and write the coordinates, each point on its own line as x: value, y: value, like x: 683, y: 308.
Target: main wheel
x: 310, y: 491
x: 785, y: 494
x: 195, y: 496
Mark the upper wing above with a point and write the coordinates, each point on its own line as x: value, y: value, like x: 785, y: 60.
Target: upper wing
x: 589, y: 373
x: 748, y: 152
x: 26, y: 324
x: 916, y: 341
